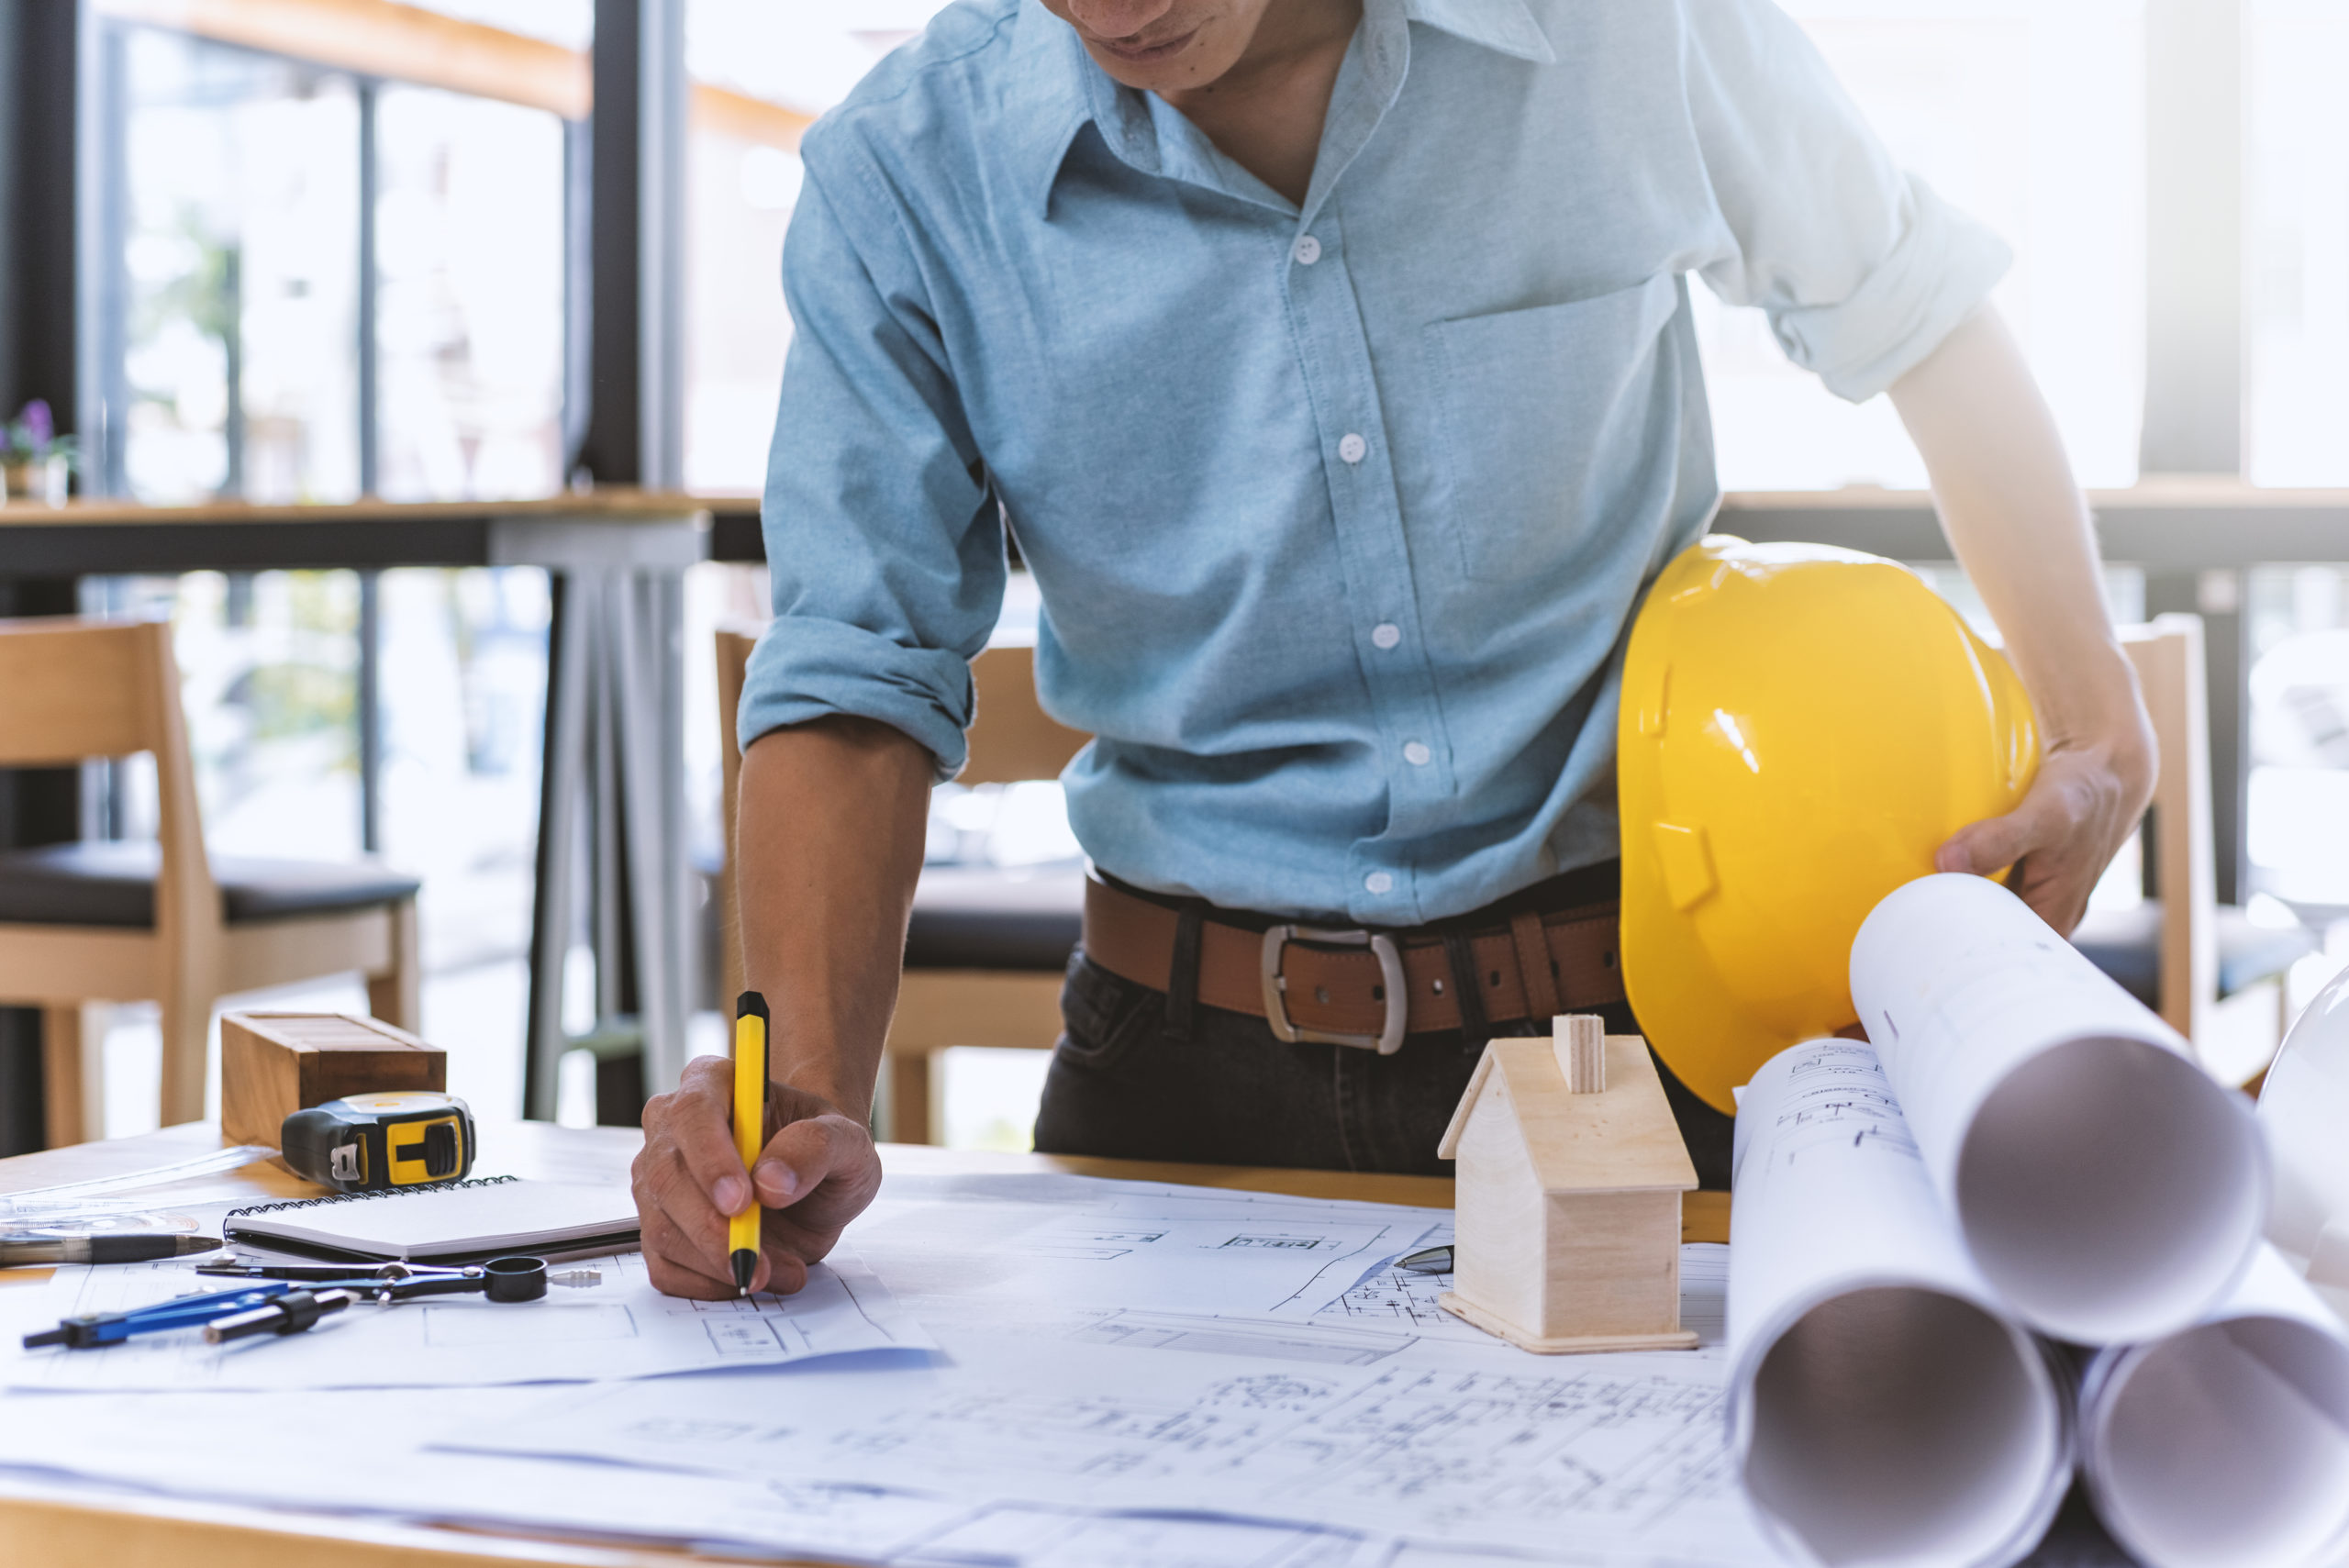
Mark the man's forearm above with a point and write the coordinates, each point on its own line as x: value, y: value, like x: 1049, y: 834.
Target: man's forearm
x: 830, y: 843
x: 2018, y: 523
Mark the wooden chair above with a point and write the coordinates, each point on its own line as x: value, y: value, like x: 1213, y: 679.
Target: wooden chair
x: 2212, y: 974
x: 117, y: 922
x: 988, y: 945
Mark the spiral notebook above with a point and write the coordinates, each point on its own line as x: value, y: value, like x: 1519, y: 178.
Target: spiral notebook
x: 447, y: 1222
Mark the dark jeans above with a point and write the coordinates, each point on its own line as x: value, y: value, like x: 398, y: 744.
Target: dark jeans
x: 1122, y: 1083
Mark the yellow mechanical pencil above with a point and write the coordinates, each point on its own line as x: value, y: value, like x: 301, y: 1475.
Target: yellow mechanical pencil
x: 749, y: 1127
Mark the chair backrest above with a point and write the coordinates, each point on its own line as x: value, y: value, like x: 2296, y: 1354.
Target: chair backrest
x: 73, y: 689
x: 2168, y: 654
x: 1011, y: 739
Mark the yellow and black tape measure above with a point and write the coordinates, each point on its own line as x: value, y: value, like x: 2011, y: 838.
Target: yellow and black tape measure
x: 364, y: 1144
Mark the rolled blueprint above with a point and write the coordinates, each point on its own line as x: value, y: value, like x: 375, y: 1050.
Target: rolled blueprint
x: 1882, y: 1407
x: 2302, y: 1107
x: 2227, y: 1445
x: 2107, y: 1187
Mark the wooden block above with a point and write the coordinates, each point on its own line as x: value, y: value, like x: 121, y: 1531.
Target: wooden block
x: 1564, y: 1344
x: 1580, y: 1041
x: 1611, y: 1263
x: 272, y: 1064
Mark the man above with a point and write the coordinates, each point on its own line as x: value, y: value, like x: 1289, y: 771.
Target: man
x: 1332, y: 362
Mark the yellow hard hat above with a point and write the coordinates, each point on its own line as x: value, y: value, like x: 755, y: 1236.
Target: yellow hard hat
x: 1802, y: 728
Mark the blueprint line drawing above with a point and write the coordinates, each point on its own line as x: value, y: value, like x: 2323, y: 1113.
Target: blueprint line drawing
x: 1593, y: 1450
x: 1321, y: 1340
x: 1405, y: 1301
x: 570, y: 1325
x: 1839, y: 1097
x: 1620, y: 1453
x: 1077, y: 1244
x: 262, y: 1447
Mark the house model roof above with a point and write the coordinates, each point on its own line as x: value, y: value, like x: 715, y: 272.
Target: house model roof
x: 1621, y: 1139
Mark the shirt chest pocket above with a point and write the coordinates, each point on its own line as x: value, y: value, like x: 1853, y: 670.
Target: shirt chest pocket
x: 1552, y: 422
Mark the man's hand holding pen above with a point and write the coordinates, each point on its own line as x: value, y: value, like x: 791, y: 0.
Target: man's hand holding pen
x: 817, y: 1171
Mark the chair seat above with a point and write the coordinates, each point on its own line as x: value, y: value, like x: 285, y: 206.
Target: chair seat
x: 2126, y: 945
x: 981, y: 917
x: 113, y: 883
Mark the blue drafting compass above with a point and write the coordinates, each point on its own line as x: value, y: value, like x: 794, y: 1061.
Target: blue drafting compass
x: 92, y: 1330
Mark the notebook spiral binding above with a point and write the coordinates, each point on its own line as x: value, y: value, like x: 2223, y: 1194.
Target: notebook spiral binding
x: 368, y: 1197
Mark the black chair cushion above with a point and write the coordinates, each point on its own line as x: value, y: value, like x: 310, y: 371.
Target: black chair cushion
x: 980, y: 916
x: 2126, y: 945
x: 104, y: 883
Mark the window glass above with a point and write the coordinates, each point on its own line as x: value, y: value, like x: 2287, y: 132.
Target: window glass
x: 2028, y: 115
x: 2297, y: 241
x: 737, y: 329
x: 469, y: 311
x: 238, y: 280
x: 230, y: 326
x: 571, y: 23
x: 760, y: 72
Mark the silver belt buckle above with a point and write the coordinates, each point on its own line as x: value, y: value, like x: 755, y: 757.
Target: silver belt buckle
x: 1389, y: 1040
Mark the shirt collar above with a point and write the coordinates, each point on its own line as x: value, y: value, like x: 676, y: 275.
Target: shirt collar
x: 1053, y: 99
x: 1505, y: 26
x: 1061, y: 90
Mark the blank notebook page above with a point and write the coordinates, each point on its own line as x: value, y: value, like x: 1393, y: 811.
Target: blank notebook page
x: 496, y: 1215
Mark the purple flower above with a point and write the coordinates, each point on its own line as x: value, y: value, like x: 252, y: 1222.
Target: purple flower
x: 37, y: 428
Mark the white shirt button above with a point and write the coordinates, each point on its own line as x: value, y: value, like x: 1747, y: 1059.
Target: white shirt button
x: 1307, y: 249
x: 1352, y: 448
x: 1379, y: 882
x: 1416, y: 753
x: 1386, y: 634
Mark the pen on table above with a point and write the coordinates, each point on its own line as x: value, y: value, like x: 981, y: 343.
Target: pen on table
x: 1434, y: 1261
x: 750, y: 1127
x: 123, y: 1247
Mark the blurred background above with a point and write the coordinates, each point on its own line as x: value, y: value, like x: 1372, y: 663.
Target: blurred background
x: 328, y: 248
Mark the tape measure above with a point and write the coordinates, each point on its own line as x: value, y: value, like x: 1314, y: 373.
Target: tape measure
x: 364, y: 1144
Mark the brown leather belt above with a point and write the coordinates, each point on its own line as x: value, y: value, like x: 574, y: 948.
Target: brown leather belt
x: 1340, y: 986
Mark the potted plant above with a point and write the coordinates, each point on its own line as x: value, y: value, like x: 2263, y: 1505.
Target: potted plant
x: 36, y: 462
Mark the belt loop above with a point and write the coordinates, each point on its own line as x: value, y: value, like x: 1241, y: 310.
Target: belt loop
x: 1534, y: 964
x: 1183, y: 972
x: 1467, y: 983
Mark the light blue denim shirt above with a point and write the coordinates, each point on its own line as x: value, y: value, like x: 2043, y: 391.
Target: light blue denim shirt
x: 1340, y: 513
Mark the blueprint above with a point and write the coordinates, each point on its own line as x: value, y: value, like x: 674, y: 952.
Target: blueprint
x: 1021, y: 1256
x: 2008, y: 1051
x: 1003, y: 1246
x: 1403, y: 1301
x: 619, y: 1328
x: 2229, y: 1442
x: 264, y: 1449
x: 1388, y: 1312
x: 1323, y: 1412
x: 1883, y: 1407
x: 1617, y: 1453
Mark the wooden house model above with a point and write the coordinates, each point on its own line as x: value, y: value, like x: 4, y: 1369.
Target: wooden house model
x: 1570, y: 1171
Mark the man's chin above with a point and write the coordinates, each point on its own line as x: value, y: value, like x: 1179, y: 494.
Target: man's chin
x: 1181, y: 64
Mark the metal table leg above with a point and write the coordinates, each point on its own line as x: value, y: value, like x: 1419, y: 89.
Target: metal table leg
x: 612, y: 823
x: 562, y: 778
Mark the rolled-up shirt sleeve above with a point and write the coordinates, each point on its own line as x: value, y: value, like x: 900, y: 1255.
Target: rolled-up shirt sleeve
x: 1862, y: 268
x: 884, y: 542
